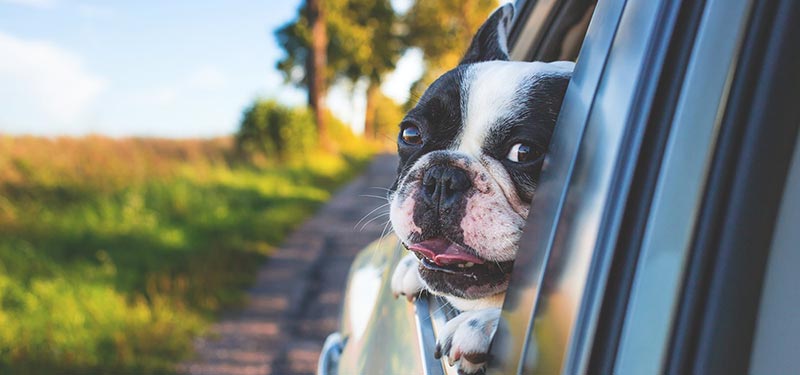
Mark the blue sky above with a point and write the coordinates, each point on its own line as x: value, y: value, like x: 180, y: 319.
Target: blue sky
x: 148, y: 68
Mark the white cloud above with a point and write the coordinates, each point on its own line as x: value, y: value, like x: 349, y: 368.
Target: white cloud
x: 47, y: 79
x: 40, y: 4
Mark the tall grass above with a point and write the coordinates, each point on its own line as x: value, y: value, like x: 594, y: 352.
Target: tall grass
x: 115, y: 253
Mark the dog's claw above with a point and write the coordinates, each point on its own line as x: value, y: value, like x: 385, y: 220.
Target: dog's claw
x: 476, y: 357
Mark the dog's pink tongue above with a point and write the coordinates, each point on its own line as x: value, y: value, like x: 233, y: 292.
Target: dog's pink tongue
x: 444, y: 252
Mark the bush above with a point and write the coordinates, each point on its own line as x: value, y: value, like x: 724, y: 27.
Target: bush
x: 271, y: 133
x: 276, y: 132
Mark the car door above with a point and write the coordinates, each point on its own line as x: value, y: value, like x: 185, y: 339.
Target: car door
x: 645, y: 246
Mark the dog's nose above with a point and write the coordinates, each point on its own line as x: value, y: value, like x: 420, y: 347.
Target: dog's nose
x: 444, y: 186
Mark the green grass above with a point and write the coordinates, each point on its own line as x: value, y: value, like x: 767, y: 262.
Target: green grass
x: 117, y: 274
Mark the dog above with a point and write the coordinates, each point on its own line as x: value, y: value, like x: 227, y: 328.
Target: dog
x: 471, y: 151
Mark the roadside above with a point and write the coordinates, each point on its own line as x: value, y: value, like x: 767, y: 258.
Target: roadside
x: 295, y: 301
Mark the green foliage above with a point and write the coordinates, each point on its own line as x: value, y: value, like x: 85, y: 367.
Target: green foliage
x: 443, y: 30
x: 274, y: 131
x: 362, y: 41
x: 388, y: 115
x: 109, y: 267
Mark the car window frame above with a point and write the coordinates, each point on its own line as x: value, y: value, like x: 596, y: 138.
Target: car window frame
x: 617, y: 109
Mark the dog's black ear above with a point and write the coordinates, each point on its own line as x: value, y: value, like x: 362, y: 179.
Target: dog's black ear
x: 491, y: 41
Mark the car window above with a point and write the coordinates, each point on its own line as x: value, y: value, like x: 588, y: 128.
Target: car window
x: 558, y: 288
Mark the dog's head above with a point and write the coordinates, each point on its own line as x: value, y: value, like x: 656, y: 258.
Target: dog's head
x: 470, y: 155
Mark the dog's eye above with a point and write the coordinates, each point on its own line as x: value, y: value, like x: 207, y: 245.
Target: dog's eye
x: 521, y: 152
x: 411, y: 135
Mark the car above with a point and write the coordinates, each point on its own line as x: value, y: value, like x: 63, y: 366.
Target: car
x: 663, y: 237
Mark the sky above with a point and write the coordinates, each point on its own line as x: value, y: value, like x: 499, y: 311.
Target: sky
x: 152, y: 68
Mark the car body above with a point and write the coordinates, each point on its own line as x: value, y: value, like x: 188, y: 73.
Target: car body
x: 663, y: 234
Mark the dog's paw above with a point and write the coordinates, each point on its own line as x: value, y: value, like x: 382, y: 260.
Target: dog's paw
x: 406, y: 280
x: 465, y: 340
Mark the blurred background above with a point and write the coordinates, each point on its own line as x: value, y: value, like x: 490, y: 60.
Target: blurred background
x: 153, y: 155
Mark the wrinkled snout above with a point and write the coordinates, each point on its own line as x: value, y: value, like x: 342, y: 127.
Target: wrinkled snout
x: 444, y: 187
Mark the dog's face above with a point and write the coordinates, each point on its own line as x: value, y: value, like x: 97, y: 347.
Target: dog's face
x: 470, y: 155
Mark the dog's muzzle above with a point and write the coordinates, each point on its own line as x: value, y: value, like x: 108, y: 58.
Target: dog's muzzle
x: 444, y: 187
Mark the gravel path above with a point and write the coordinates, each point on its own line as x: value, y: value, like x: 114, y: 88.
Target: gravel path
x: 295, y: 302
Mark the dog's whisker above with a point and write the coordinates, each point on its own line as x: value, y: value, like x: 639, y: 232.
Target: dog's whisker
x: 370, y: 213
x: 384, y: 233
x: 385, y: 227
x: 388, y: 191
x: 430, y: 316
x: 452, y: 308
x: 373, y: 196
x: 383, y: 214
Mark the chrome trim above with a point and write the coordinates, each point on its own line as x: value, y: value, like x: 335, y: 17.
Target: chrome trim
x: 440, y: 312
x: 330, y: 354
x: 510, y: 350
x: 659, y: 273
x: 426, y: 336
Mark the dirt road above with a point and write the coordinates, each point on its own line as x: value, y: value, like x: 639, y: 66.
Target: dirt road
x: 296, y: 299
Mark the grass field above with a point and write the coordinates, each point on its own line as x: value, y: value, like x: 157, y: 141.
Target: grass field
x: 115, y: 253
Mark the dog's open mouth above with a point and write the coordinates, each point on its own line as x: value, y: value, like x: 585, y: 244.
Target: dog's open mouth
x: 445, y: 256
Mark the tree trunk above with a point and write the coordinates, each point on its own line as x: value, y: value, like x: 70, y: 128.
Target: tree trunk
x: 373, y: 90
x: 315, y: 68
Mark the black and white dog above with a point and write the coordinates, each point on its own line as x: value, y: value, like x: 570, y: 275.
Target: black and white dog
x: 470, y: 155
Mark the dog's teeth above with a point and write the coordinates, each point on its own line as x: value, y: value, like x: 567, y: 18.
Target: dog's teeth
x: 470, y: 264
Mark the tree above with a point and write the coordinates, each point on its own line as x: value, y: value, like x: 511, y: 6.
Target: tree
x: 315, y: 67
x: 305, y: 41
x: 443, y: 30
x: 366, y: 31
x: 362, y: 45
